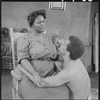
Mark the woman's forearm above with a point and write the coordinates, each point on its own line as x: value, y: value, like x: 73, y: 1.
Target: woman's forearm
x: 27, y: 66
x: 29, y: 71
x: 31, y: 77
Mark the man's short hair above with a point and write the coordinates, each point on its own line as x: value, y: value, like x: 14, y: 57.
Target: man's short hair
x: 75, y: 47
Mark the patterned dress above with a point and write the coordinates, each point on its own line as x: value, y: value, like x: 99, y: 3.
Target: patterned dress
x: 39, y: 51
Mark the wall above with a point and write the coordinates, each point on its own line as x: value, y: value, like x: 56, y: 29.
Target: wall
x: 73, y: 21
x: 93, y: 34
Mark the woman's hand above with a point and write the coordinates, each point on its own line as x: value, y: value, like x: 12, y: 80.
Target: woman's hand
x: 37, y: 79
x: 34, y: 78
x: 55, y: 41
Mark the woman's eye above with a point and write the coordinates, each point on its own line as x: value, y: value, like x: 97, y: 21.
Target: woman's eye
x: 40, y: 22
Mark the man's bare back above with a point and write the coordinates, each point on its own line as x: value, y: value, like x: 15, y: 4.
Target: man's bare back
x: 79, y: 85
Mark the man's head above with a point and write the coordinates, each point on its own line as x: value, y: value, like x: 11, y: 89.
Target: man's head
x: 73, y: 47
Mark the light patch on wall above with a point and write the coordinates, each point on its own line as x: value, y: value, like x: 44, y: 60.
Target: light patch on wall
x: 57, y: 6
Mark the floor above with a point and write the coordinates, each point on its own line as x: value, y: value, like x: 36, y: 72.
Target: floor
x: 7, y: 78
x: 94, y: 85
x: 6, y: 85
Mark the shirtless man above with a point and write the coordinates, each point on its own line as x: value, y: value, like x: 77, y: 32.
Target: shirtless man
x: 73, y: 73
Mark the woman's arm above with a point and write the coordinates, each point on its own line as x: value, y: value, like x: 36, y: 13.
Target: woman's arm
x: 61, y: 78
x: 31, y: 77
x: 29, y: 71
x: 23, y: 54
x: 57, y: 42
x: 51, y: 81
x: 27, y: 66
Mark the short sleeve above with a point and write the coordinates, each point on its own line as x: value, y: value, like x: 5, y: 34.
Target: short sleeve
x: 22, y: 49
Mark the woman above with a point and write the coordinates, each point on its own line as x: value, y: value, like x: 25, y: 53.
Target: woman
x: 36, y: 51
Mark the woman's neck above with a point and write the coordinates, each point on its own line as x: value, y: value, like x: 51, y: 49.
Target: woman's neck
x: 37, y: 33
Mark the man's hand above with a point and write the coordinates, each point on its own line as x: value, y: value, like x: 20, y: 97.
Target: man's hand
x: 39, y: 81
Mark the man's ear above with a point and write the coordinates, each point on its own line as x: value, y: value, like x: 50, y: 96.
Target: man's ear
x: 67, y: 53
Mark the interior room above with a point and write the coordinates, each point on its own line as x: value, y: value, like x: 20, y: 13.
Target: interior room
x: 68, y: 18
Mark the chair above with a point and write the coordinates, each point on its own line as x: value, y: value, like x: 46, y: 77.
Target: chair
x: 7, y: 57
x: 7, y: 63
x: 14, y: 39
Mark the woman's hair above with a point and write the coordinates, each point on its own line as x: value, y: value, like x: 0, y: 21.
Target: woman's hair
x: 32, y: 16
x: 75, y: 47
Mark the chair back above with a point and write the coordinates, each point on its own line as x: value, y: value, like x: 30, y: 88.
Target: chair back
x: 15, y: 36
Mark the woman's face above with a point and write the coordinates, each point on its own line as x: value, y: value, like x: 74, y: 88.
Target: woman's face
x: 39, y: 24
x: 63, y: 47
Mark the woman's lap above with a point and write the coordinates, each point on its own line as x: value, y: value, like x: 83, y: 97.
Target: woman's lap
x: 28, y: 90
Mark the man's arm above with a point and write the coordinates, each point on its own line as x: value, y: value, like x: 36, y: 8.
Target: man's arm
x: 61, y: 78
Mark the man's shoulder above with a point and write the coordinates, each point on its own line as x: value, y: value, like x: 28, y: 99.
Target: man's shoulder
x: 73, y: 69
x: 79, y: 61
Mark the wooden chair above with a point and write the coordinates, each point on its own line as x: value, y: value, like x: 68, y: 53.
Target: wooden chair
x: 14, y: 39
x: 7, y: 63
x: 6, y: 56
